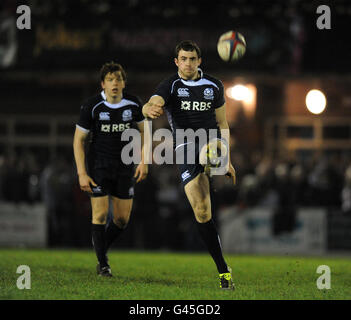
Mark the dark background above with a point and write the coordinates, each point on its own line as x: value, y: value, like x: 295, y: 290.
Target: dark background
x: 48, y: 71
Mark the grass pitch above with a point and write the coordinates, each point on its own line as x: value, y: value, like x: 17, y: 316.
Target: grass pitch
x: 70, y: 274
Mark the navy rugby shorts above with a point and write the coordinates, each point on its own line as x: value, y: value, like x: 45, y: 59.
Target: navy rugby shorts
x: 189, y: 167
x: 112, y: 178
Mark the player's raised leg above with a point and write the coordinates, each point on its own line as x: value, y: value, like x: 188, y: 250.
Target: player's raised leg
x: 121, y: 214
x: 99, y: 207
x: 198, y: 194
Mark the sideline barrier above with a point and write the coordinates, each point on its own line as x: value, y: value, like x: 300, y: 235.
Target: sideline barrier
x: 23, y: 225
x: 251, y: 231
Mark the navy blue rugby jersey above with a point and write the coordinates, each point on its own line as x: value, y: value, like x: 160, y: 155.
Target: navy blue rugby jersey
x: 191, y: 103
x: 107, y: 121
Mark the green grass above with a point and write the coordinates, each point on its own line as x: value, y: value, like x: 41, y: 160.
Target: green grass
x: 70, y: 274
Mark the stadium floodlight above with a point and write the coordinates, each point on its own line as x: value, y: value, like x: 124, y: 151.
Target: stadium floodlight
x: 315, y: 101
x: 239, y: 92
x: 243, y: 96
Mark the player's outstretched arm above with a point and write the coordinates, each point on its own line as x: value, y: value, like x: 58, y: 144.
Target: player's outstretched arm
x: 145, y: 134
x: 154, y: 107
x: 79, y: 157
x: 223, y: 126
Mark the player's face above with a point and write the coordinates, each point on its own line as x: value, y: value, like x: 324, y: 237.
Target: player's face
x: 187, y: 63
x: 113, y: 85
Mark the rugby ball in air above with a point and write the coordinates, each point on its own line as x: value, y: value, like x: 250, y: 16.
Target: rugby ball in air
x: 231, y: 46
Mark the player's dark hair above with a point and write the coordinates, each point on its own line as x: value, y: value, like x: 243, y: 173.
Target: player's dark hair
x: 111, y: 67
x: 187, y: 45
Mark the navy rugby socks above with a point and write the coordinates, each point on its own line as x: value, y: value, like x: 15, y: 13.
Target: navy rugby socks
x: 112, y: 233
x: 98, y: 235
x: 210, y: 236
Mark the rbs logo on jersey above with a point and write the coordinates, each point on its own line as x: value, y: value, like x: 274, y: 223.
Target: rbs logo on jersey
x: 195, y: 105
x: 115, y: 127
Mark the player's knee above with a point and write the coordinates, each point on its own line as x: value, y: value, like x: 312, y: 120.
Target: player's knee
x: 202, y: 213
x: 100, y: 218
x: 203, y: 218
x: 121, y: 222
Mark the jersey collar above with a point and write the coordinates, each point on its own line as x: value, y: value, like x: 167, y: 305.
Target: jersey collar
x: 197, y: 79
x: 103, y: 95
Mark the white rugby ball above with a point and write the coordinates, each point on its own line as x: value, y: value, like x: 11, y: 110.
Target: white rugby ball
x: 231, y: 46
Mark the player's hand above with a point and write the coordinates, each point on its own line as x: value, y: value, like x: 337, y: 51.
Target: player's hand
x: 85, y: 181
x: 152, y: 110
x: 141, y: 172
x: 231, y: 173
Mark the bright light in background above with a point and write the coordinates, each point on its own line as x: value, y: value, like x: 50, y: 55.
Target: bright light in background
x: 315, y: 101
x: 239, y: 92
x: 242, y: 96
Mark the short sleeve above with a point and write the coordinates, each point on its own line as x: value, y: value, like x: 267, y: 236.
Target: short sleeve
x: 164, y: 90
x: 85, y: 118
x: 139, y: 114
x: 220, y: 101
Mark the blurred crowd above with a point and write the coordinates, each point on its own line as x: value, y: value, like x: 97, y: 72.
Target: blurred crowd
x: 310, y: 181
x: 160, y: 203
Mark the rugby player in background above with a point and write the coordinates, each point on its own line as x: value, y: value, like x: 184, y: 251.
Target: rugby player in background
x: 104, y: 117
x: 194, y: 100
